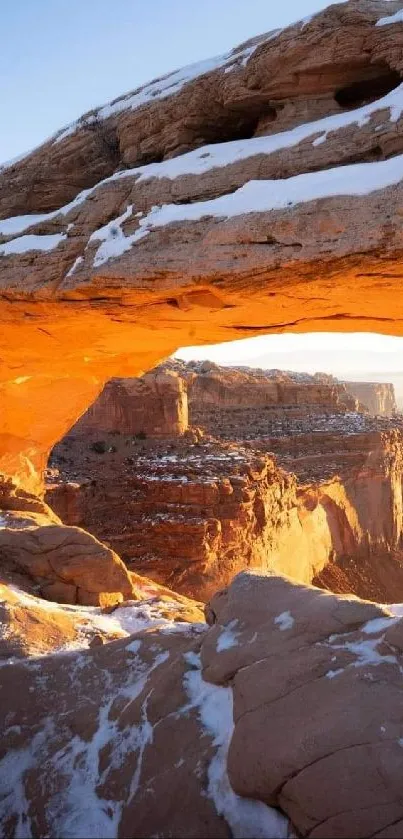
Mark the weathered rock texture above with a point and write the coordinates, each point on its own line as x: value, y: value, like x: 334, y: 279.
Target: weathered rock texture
x: 147, y: 743
x: 377, y: 397
x: 192, y: 514
x: 67, y: 564
x: 154, y: 405
x: 239, y: 246
x: 224, y: 388
x: 30, y: 625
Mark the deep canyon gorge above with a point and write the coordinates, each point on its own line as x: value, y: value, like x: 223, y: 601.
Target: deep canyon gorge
x: 196, y: 560
x: 298, y: 478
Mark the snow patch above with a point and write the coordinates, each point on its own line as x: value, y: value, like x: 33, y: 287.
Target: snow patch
x: 395, y: 609
x: 284, y: 621
x: 211, y: 156
x: 75, y: 265
x: 228, y: 637
x: 30, y: 242
x: 378, y: 624
x: 17, y: 224
x: 366, y: 652
x: 264, y: 196
x: 396, y: 18
x: 114, y: 241
x: 247, y: 819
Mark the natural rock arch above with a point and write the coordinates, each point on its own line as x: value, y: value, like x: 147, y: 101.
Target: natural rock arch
x: 294, y: 231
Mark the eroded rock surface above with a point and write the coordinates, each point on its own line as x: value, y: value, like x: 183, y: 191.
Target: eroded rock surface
x: 330, y: 710
x: 191, y: 512
x: 295, y: 693
x: 154, y: 405
x: 379, y: 398
x: 289, y: 218
x: 67, y: 564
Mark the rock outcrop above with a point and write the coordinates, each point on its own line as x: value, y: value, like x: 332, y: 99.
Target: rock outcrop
x: 289, y: 218
x: 67, y: 564
x: 379, y: 398
x: 32, y: 626
x: 225, y: 388
x: 155, y: 405
x: 187, y: 733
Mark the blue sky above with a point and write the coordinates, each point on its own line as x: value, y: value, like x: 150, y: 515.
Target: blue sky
x: 59, y: 58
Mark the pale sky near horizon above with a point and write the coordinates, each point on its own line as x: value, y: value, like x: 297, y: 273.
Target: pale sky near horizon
x: 352, y: 356
x: 60, y: 58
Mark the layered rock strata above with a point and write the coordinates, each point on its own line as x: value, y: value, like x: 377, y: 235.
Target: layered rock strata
x: 377, y: 397
x: 154, y: 405
x: 191, y: 514
x: 289, y: 218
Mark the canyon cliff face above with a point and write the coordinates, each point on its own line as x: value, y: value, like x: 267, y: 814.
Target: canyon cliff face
x: 377, y: 397
x: 223, y: 388
x: 264, y: 194
x: 192, y: 514
x: 154, y: 405
x: 193, y: 518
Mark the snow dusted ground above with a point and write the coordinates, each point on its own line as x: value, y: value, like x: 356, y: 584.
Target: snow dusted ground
x: 366, y: 651
x: 126, y: 620
x: 78, y: 808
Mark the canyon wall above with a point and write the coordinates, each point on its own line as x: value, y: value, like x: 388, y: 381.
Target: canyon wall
x: 193, y: 517
x: 378, y: 398
x: 191, y: 511
x: 210, y: 384
x: 192, y: 514
x: 154, y: 405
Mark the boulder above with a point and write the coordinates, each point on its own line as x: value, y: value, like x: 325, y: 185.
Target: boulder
x: 290, y: 700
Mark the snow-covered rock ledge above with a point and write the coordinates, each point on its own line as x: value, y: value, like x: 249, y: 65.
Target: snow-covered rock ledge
x: 291, y: 699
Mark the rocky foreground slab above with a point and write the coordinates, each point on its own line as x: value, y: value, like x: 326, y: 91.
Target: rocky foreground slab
x: 290, y: 698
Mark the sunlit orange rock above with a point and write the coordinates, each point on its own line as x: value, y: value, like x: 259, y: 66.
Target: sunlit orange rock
x: 279, y: 255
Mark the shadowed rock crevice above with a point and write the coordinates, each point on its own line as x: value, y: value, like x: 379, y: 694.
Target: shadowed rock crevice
x: 373, y: 82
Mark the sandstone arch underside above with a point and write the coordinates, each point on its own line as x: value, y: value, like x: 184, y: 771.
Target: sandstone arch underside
x: 259, y: 192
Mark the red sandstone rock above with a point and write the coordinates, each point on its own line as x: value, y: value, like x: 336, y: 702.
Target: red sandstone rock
x: 379, y: 398
x: 68, y: 564
x: 191, y: 516
x: 152, y: 730
x: 154, y: 405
